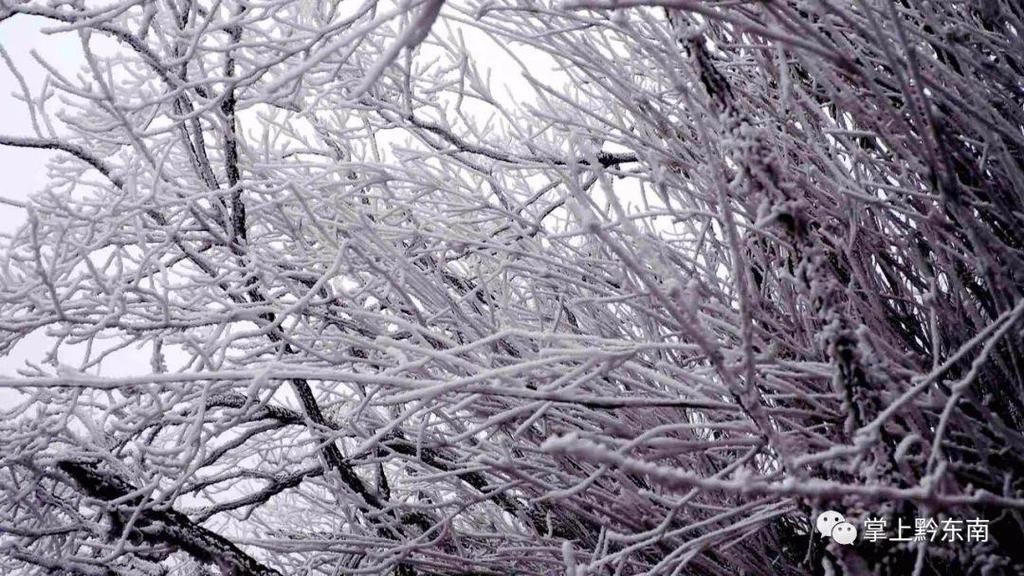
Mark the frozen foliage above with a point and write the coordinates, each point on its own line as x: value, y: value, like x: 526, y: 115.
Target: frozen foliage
x: 623, y: 287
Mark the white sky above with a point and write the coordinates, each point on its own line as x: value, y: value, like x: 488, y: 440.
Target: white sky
x: 23, y: 172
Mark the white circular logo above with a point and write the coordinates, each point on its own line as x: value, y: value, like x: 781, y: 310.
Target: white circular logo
x: 828, y: 520
x: 844, y: 533
x: 832, y: 524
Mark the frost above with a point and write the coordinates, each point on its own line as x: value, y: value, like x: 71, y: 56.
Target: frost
x: 428, y: 287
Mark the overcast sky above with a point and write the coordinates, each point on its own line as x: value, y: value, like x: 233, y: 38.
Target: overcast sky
x: 24, y: 171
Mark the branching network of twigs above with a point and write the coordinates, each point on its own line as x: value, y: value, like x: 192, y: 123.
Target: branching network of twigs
x: 606, y: 287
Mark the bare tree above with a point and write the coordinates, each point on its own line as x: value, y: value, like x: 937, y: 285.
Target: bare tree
x: 607, y: 287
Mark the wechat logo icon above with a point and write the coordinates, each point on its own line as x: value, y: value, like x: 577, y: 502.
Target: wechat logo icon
x: 832, y: 524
